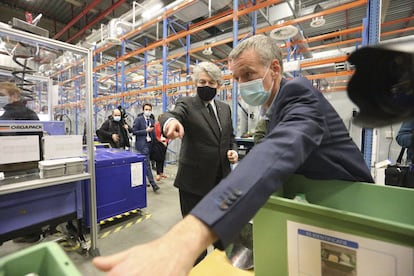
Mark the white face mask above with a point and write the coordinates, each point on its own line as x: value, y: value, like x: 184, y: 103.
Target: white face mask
x: 3, y: 101
x: 253, y: 92
x: 147, y: 113
x: 117, y: 118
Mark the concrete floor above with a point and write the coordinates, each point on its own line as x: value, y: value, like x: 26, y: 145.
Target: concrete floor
x: 162, y: 212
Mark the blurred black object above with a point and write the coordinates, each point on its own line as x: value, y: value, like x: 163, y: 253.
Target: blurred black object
x: 123, y: 113
x: 383, y: 84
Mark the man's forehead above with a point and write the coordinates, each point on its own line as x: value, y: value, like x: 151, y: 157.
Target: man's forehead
x: 241, y: 67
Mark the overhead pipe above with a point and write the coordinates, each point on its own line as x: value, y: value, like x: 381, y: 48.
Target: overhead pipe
x: 191, y: 31
x: 132, y: 14
x: 222, y: 37
x: 261, y: 30
x: 175, y: 7
x: 225, y: 38
x: 97, y: 19
x: 77, y: 18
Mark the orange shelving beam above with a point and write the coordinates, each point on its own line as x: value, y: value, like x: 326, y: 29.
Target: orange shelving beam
x: 321, y: 61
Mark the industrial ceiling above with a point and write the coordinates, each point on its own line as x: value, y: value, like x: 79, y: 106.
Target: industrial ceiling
x: 294, y: 23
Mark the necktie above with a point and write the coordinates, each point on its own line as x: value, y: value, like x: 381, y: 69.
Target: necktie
x: 213, y: 116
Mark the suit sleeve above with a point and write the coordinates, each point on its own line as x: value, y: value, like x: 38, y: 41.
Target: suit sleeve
x: 404, y: 136
x: 267, y: 166
x: 179, y: 113
x: 139, y: 128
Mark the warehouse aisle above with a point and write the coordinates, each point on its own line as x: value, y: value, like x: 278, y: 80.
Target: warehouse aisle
x: 163, y: 211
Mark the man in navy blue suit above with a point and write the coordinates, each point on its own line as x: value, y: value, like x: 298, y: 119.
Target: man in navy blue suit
x: 304, y: 136
x: 144, y: 132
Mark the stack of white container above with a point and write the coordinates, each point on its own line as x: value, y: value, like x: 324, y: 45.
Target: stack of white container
x: 61, y: 167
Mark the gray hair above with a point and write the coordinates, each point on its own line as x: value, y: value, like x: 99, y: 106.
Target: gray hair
x: 210, y: 68
x: 264, y: 46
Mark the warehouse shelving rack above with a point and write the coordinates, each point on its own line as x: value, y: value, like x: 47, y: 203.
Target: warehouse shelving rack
x: 225, y: 16
x: 167, y: 90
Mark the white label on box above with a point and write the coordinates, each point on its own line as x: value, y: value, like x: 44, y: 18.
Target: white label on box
x: 62, y: 146
x: 20, y: 148
x: 136, y: 174
x: 319, y: 252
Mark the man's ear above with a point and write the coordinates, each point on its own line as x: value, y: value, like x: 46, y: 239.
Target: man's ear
x: 275, y: 67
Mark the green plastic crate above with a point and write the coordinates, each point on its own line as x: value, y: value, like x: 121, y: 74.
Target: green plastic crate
x: 45, y: 259
x: 369, y: 211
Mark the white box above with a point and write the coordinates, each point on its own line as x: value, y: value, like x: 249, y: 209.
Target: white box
x: 51, y: 168
x: 74, y: 165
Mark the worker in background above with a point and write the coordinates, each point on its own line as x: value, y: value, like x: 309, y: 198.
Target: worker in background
x: 144, y: 132
x: 304, y: 136
x: 115, y: 131
x: 159, y: 150
x: 405, y: 138
x: 12, y: 104
x: 15, y: 109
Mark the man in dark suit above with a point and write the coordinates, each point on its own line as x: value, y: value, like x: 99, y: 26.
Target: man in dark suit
x: 208, y: 146
x: 304, y: 136
x: 143, y: 129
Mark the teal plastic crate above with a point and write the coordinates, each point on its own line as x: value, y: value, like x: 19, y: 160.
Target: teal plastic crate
x: 45, y: 259
x: 381, y: 214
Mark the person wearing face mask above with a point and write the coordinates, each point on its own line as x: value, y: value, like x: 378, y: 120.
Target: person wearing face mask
x: 115, y: 131
x: 208, y: 146
x: 304, y: 136
x: 14, y: 108
x: 144, y: 132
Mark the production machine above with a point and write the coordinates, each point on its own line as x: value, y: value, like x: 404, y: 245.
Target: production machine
x: 28, y: 190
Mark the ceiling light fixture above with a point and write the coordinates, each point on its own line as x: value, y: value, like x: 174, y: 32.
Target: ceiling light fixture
x: 207, y: 51
x: 284, y: 32
x: 317, y: 22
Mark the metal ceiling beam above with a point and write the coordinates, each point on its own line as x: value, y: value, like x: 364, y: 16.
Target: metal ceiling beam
x: 97, y: 19
x: 77, y: 18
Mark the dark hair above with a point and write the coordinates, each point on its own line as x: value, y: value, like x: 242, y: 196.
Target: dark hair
x: 146, y: 104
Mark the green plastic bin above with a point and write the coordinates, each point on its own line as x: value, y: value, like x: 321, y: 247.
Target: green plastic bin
x: 363, y: 210
x: 45, y: 259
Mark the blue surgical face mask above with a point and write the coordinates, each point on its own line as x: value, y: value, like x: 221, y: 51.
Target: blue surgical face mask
x: 253, y: 92
x: 117, y: 118
x: 3, y: 101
